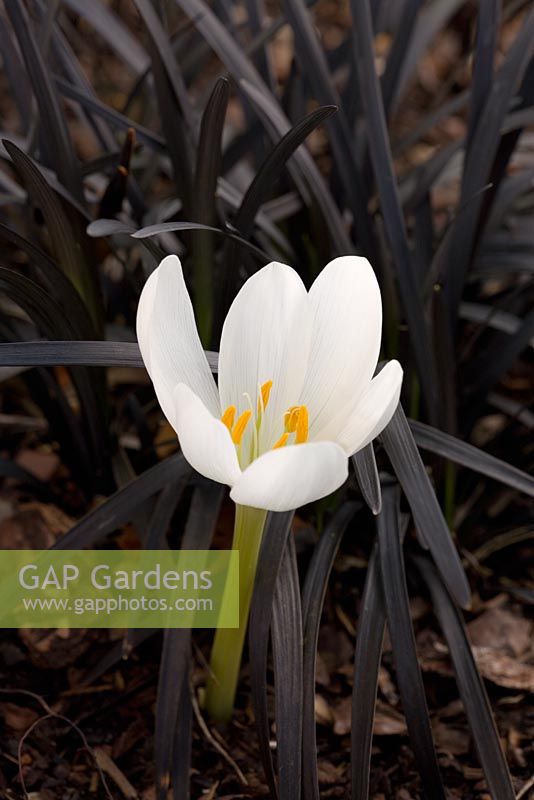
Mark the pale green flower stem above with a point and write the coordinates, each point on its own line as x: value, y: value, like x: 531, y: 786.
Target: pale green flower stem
x: 228, y: 644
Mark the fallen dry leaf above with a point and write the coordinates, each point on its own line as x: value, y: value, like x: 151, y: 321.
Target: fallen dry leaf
x: 386, y: 686
x: 329, y: 774
x: 388, y: 721
x: 493, y: 664
x: 342, y: 712
x: 39, y: 463
x: 501, y: 630
x: 322, y: 675
x: 19, y: 718
x: 323, y: 713
x: 499, y: 668
x: 26, y: 530
x: 335, y: 647
x: 450, y: 740
x: 54, y: 518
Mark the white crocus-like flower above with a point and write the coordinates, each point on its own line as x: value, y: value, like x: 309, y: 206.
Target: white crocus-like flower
x: 296, y: 394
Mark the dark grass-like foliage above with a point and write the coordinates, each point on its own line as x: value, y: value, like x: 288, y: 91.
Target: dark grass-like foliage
x: 371, y: 627
x: 313, y: 596
x: 273, y: 548
x: 472, y: 692
x: 407, y: 667
x: 172, y: 735
x: 287, y: 641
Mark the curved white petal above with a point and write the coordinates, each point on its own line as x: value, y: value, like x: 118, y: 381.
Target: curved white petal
x: 374, y: 410
x: 346, y: 332
x: 205, y: 440
x: 290, y: 477
x: 266, y: 337
x: 168, y: 338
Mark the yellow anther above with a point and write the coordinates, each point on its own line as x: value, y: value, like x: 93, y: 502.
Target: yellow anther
x: 228, y: 417
x: 281, y: 441
x: 265, y: 393
x: 296, y: 421
x: 290, y: 419
x: 240, y: 426
x: 301, y: 429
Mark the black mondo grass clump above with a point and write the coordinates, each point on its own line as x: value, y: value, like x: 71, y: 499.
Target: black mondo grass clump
x: 193, y: 140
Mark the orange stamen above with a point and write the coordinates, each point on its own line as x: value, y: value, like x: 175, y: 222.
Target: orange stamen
x: 301, y: 429
x: 228, y: 417
x: 265, y: 393
x: 281, y: 441
x: 290, y: 418
x: 240, y: 426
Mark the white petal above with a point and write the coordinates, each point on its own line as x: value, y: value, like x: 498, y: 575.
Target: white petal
x: 346, y: 333
x: 205, y: 440
x: 374, y: 410
x: 168, y: 338
x: 290, y: 477
x: 266, y: 337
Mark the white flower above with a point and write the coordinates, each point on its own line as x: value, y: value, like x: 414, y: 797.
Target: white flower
x: 296, y: 393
